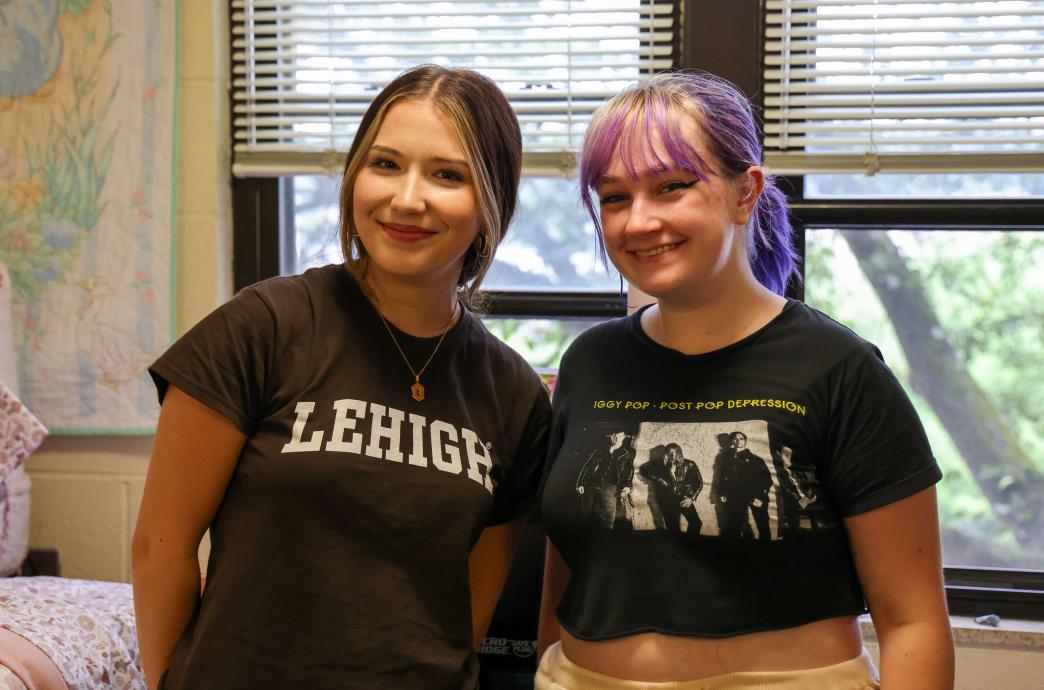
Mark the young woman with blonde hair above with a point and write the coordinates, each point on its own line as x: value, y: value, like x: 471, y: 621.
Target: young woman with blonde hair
x: 360, y: 447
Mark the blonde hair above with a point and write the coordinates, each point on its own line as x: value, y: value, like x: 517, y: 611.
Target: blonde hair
x: 489, y: 133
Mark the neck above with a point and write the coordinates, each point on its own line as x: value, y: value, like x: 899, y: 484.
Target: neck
x: 414, y: 309
x: 710, y: 322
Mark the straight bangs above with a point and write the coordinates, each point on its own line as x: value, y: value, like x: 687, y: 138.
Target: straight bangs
x: 630, y: 126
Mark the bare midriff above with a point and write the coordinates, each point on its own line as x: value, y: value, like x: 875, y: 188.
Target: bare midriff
x: 654, y: 657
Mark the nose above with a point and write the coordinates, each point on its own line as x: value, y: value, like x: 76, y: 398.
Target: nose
x: 408, y: 197
x: 642, y: 217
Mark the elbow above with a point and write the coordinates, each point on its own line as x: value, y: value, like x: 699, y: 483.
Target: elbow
x: 141, y: 545
x: 149, y: 548
x: 143, y: 549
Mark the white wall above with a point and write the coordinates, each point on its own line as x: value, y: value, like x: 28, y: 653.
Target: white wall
x: 86, y: 490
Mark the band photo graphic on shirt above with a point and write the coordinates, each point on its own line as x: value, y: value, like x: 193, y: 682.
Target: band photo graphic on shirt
x: 722, y: 479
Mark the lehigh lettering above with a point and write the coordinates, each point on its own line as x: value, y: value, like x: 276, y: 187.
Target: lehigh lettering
x: 477, y: 456
x: 382, y: 439
x: 417, y: 423
x: 348, y: 411
x: 438, y: 430
x: 390, y: 432
x: 295, y: 445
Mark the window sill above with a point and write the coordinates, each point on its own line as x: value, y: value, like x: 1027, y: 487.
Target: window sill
x: 1011, y: 633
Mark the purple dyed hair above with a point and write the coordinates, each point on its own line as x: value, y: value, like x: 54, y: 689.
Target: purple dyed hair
x: 627, y: 124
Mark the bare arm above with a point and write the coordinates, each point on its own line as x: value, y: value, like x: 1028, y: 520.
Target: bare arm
x: 193, y: 458
x: 556, y: 577
x: 897, y: 556
x: 488, y: 568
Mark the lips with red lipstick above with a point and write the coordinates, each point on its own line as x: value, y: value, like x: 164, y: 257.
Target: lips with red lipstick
x: 406, y: 233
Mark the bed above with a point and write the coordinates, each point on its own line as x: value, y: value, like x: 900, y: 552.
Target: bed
x: 55, y: 633
x: 64, y: 634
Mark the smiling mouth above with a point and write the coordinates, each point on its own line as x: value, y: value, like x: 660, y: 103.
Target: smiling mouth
x: 662, y: 249
x: 408, y: 234
x: 411, y: 229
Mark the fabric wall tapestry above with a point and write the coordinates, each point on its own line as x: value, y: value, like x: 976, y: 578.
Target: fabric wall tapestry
x: 87, y: 134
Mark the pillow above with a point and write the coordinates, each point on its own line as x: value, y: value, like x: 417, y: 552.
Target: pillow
x: 20, y: 432
x: 14, y: 524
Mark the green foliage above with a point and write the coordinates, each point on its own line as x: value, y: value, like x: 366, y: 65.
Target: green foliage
x: 986, y: 290
x: 76, y: 7
x: 541, y: 341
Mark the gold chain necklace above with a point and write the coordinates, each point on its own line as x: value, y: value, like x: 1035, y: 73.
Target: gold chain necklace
x: 417, y: 389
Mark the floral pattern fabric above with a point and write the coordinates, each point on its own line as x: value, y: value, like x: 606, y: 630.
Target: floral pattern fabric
x: 20, y: 432
x: 85, y: 627
x: 14, y: 521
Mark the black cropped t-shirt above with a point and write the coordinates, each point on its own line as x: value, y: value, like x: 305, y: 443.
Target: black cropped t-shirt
x: 704, y: 494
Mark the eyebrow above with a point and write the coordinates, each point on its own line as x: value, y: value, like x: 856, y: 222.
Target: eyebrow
x: 658, y: 171
x: 437, y: 159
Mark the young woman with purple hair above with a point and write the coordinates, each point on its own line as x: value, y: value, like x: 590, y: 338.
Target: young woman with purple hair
x: 821, y: 502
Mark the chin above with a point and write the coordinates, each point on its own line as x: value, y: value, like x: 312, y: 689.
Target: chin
x: 659, y: 286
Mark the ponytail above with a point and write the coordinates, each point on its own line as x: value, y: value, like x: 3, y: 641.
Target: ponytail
x: 770, y: 247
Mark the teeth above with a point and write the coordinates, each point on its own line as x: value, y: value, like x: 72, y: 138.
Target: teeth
x: 659, y: 250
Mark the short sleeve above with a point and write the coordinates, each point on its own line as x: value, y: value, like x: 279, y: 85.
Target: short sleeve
x: 878, y: 452
x: 224, y: 360
x: 518, y: 491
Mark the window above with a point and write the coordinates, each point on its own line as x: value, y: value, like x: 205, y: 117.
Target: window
x: 898, y: 86
x: 913, y: 138
x: 957, y: 312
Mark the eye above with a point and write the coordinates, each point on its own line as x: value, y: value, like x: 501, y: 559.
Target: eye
x: 610, y: 198
x: 449, y: 175
x: 676, y: 185
x: 382, y: 163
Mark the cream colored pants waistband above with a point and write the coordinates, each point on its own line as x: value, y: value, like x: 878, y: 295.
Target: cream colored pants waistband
x: 557, y: 672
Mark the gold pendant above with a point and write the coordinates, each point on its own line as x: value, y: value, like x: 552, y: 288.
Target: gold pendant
x: 418, y: 391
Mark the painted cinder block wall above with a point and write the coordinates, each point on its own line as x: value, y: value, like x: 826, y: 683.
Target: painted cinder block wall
x: 86, y: 489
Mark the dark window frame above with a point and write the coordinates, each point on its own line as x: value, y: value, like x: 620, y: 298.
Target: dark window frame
x: 260, y: 210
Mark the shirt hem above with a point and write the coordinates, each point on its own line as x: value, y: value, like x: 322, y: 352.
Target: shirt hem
x: 918, y: 481
x: 200, y: 394
x: 855, y: 612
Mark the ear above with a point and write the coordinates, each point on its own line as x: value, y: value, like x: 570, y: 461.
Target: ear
x: 747, y: 187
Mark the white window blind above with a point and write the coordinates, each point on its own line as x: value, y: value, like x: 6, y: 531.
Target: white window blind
x: 304, y: 71
x: 899, y: 86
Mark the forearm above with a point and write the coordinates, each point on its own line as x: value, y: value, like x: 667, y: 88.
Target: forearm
x: 917, y: 655
x: 166, y: 591
x: 556, y: 576
x: 488, y: 567
x: 548, y: 631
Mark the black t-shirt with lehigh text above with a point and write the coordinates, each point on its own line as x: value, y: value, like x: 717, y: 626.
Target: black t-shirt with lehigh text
x: 339, y: 553
x: 705, y: 494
